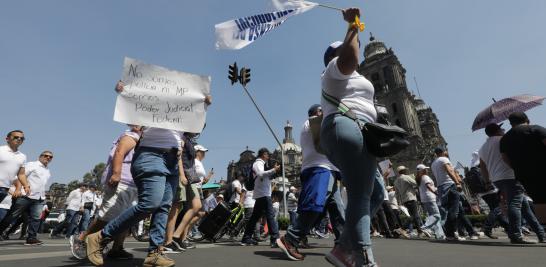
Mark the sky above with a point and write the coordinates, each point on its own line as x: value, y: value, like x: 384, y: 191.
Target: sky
x: 60, y: 60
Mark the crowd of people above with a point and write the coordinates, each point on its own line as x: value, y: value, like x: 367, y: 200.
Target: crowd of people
x: 158, y: 174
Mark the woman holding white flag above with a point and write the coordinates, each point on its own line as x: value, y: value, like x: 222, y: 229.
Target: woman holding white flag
x: 343, y: 143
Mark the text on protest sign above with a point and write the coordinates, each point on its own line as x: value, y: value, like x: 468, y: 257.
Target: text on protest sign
x: 155, y: 96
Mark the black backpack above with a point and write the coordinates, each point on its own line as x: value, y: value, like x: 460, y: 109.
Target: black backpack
x: 250, y: 177
x: 474, y: 181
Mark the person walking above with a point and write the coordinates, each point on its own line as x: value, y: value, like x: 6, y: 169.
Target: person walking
x: 427, y: 194
x: 73, y: 208
x: 292, y: 204
x: 342, y: 141
x: 88, y: 202
x: 406, y: 188
x: 496, y: 171
x: 12, y: 163
x: 37, y: 174
x: 449, y: 185
x: 263, y: 204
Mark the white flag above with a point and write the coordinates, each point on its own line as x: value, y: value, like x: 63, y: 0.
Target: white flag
x: 240, y: 32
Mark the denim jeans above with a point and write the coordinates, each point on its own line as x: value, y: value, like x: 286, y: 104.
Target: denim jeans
x: 413, y: 210
x: 495, y: 213
x: 450, y: 200
x: 433, y: 221
x: 263, y: 205
x: 293, y: 216
x: 246, y: 219
x: 21, y: 205
x: 518, y: 206
x: 85, y: 220
x: 3, y: 193
x: 156, y: 177
x: 336, y: 209
x: 70, y: 220
x: 343, y: 143
x: 3, y: 213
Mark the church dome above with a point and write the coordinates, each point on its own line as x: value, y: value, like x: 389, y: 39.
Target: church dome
x: 374, y: 47
x: 289, y: 147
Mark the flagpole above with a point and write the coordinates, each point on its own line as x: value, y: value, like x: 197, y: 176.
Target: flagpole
x: 331, y: 7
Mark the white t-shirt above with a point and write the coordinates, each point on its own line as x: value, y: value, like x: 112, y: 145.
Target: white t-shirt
x: 424, y: 193
x: 160, y: 138
x: 249, y: 200
x: 490, y: 154
x: 37, y: 176
x: 6, y: 203
x: 311, y: 158
x: 393, y: 202
x: 200, y: 172
x: 262, y: 182
x: 354, y: 90
x: 235, y: 197
x: 74, y: 200
x: 439, y: 171
x: 10, y: 163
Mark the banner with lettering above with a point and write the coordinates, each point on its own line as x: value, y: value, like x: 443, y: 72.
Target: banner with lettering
x: 240, y: 32
x: 155, y: 96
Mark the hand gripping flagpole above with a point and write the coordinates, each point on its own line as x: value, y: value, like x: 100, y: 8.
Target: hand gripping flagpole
x: 244, y: 78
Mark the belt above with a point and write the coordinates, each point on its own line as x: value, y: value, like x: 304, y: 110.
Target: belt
x: 158, y: 149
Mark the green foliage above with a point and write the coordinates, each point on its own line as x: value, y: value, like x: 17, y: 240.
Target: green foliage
x: 94, y: 176
x: 72, y: 185
x: 283, y: 222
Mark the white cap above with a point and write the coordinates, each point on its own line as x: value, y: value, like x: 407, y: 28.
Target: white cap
x: 421, y: 167
x: 220, y: 195
x: 200, y: 148
x: 401, y: 168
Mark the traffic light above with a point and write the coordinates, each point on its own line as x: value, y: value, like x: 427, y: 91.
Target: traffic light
x: 244, y: 77
x: 233, y: 73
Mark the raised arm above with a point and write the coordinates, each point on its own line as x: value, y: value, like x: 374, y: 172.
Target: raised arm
x: 348, y: 54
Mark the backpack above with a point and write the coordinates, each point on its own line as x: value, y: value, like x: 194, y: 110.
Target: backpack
x: 228, y: 191
x: 250, y: 178
x: 475, y: 182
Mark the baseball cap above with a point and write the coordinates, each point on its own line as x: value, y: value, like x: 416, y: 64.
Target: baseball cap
x: 220, y: 196
x: 401, y: 168
x: 331, y: 50
x: 492, y: 128
x: 200, y: 148
x: 421, y: 167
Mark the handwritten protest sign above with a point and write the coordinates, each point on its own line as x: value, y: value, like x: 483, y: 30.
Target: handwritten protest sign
x: 155, y: 96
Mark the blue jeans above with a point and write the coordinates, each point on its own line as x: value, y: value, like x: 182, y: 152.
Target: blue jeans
x: 263, y: 205
x: 3, y: 193
x: 18, y: 209
x: 495, y: 213
x: 293, y: 216
x: 156, y: 178
x: 433, y: 220
x: 86, y: 219
x: 70, y: 221
x: 518, y: 206
x: 449, y: 201
x: 343, y: 143
x: 3, y: 213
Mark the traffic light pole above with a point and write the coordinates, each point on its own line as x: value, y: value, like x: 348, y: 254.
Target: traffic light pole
x: 285, y: 210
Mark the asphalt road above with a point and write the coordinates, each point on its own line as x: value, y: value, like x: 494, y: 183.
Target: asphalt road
x: 388, y: 252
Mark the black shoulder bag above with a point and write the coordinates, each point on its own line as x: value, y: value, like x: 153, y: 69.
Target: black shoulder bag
x: 381, y: 139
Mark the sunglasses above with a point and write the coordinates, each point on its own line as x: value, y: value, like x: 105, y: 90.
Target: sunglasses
x: 22, y: 138
x: 47, y: 156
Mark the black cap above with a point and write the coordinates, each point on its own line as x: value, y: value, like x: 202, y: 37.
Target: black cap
x: 517, y: 118
x: 492, y: 128
x: 439, y: 150
x: 312, y: 111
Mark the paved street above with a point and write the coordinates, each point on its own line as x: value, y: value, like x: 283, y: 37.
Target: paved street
x: 389, y: 252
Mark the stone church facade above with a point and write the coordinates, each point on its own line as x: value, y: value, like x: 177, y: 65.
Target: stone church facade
x: 382, y: 67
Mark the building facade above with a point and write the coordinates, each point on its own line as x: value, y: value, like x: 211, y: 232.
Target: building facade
x: 382, y: 67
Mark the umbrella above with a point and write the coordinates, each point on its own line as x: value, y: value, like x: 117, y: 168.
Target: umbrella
x: 211, y: 186
x: 500, y: 110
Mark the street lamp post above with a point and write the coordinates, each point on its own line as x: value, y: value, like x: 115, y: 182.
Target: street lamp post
x: 244, y: 78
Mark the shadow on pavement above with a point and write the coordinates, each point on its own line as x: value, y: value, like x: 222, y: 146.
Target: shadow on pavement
x: 487, y: 243
x: 73, y: 262
x: 279, y: 255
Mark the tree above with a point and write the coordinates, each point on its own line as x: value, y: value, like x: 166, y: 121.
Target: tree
x: 72, y: 185
x: 94, y: 176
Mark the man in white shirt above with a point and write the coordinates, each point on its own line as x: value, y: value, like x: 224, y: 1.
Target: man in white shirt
x: 262, y: 195
x: 237, y: 192
x: 37, y: 174
x: 449, y: 185
x: 73, y: 208
x: 12, y: 164
x: 496, y: 171
x: 88, y: 203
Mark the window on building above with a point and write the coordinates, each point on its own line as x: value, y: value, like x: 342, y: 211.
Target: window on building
x: 291, y: 158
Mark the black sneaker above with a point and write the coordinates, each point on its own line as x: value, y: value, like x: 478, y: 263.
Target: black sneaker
x: 172, y: 248
x: 187, y: 244
x: 522, y: 241
x: 250, y: 242
x: 33, y: 242
x: 119, y: 254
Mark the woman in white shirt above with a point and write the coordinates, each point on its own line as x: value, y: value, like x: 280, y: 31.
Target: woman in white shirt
x: 343, y: 143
